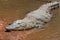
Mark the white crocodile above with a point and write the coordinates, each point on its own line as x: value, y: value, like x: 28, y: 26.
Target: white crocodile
x: 35, y: 19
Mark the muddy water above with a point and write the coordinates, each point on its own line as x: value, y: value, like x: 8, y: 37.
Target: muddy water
x: 11, y: 10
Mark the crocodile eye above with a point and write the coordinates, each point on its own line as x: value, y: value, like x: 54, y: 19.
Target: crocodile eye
x: 19, y: 23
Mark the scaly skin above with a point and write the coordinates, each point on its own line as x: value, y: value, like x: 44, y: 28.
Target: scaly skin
x: 35, y: 19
